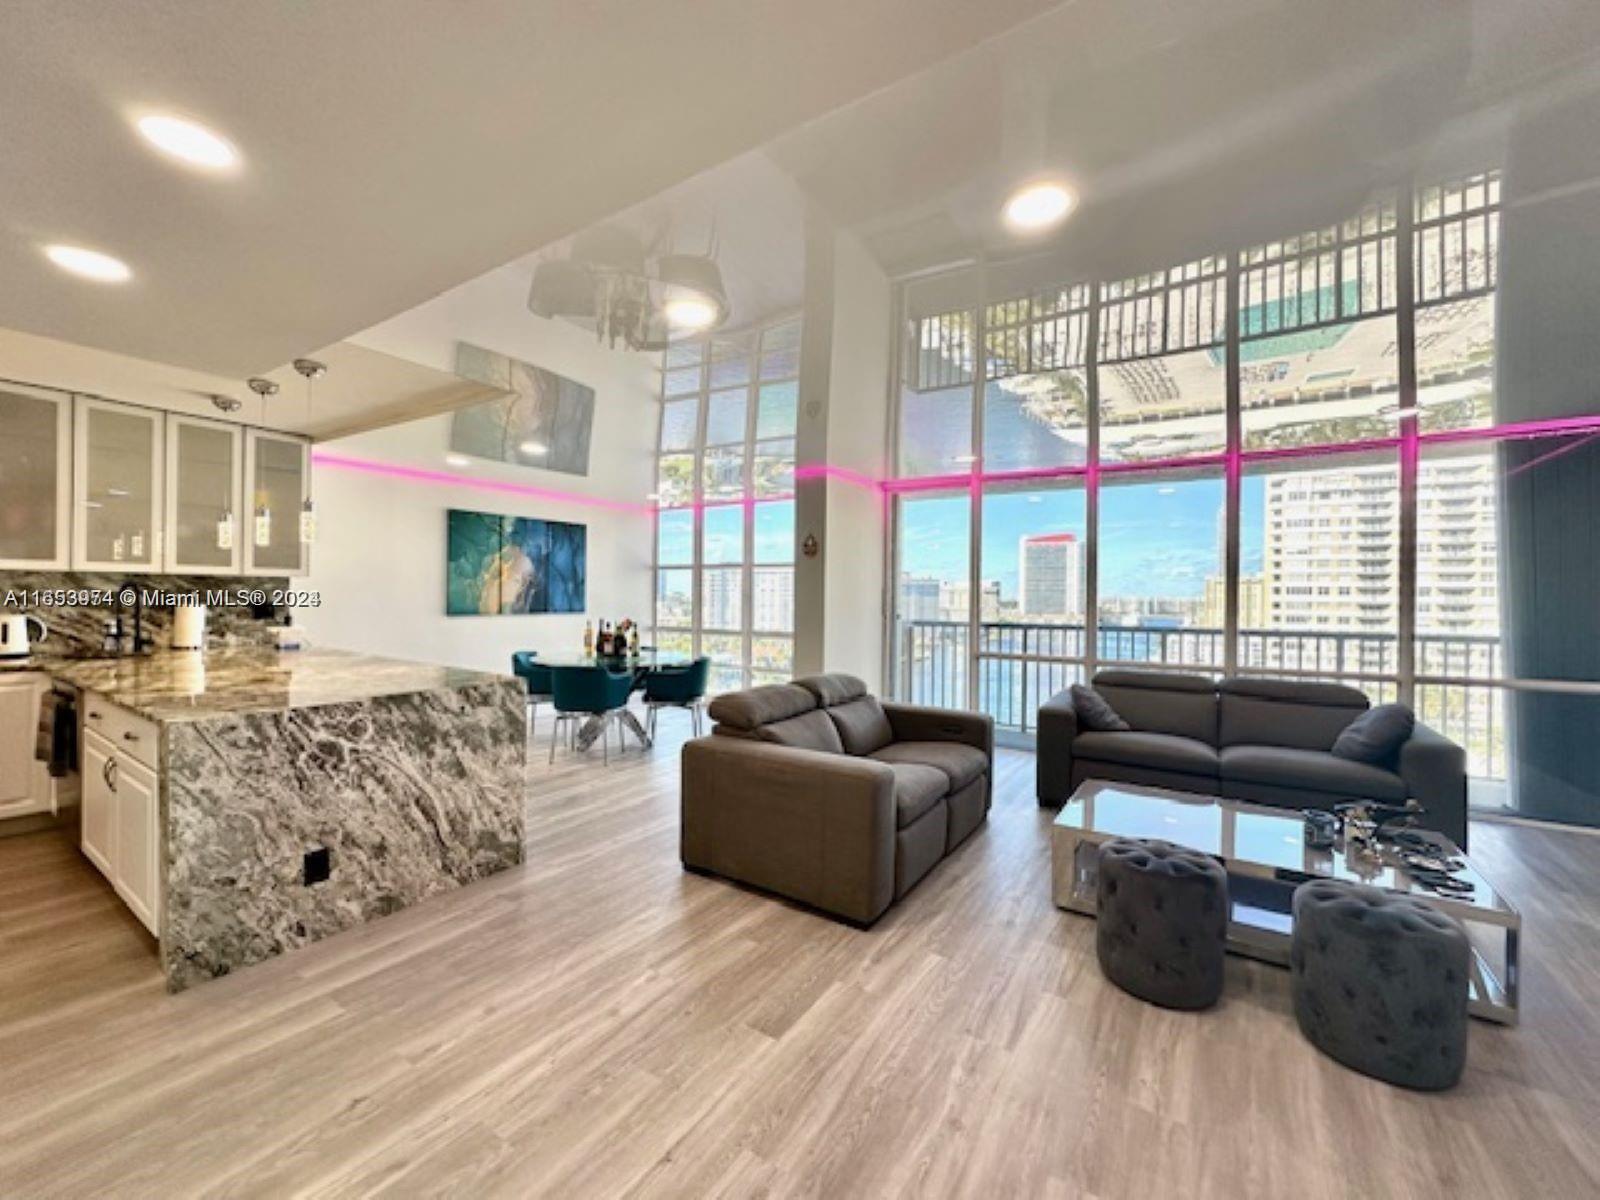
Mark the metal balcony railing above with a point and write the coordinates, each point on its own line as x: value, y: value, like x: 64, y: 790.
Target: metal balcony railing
x: 1019, y: 665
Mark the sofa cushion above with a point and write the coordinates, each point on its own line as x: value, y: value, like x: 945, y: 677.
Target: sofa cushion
x: 917, y: 788
x: 1161, y: 751
x: 808, y: 731
x: 1094, y: 712
x: 836, y: 688
x: 1310, y: 770
x: 1285, y: 712
x: 1376, y: 735
x: 759, y: 706
x: 863, y: 727
x: 959, y: 763
x: 1163, y: 702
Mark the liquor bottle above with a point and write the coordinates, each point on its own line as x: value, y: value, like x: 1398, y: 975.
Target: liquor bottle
x: 588, y: 638
x: 602, y: 644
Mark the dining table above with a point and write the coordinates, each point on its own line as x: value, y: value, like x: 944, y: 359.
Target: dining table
x: 641, y: 664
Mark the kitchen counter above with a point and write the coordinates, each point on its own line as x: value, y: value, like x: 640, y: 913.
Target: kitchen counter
x: 300, y: 793
x: 176, y: 685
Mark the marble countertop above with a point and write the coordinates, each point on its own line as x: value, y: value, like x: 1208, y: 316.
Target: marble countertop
x: 173, y: 685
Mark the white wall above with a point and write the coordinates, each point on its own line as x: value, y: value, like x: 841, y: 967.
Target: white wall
x: 858, y: 413
x: 379, y: 562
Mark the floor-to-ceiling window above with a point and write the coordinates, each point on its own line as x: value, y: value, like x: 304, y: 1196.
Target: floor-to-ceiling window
x: 725, y: 496
x: 1285, y: 460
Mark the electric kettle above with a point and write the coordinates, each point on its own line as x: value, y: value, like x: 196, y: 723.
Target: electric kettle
x: 14, y: 634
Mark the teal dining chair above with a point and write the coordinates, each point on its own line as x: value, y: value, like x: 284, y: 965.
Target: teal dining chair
x: 587, y: 693
x: 536, y: 677
x: 677, y: 687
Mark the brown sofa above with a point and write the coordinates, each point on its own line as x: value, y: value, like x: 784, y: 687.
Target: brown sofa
x: 815, y: 791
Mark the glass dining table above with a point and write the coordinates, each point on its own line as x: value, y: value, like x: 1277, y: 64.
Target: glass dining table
x: 641, y: 664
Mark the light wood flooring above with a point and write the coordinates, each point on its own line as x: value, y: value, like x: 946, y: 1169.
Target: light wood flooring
x: 599, y: 1023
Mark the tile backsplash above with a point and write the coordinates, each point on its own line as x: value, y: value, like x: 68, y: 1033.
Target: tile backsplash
x: 81, y: 625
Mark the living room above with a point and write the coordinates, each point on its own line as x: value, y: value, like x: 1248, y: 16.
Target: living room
x: 1011, y: 614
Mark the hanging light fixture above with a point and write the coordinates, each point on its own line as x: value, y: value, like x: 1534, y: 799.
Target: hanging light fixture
x: 229, y: 405
x: 263, y: 520
x: 312, y: 370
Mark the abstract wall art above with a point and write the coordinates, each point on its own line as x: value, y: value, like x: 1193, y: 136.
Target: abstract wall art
x: 545, y: 421
x: 514, y: 565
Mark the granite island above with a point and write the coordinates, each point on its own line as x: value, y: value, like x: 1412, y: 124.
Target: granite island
x: 300, y: 793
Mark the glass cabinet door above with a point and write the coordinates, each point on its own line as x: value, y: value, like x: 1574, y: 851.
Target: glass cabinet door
x: 117, y: 491
x: 277, y: 485
x: 205, y: 480
x: 35, y: 479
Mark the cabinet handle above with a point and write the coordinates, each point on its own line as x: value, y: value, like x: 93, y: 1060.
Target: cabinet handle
x: 130, y: 737
x: 94, y: 716
x: 109, y: 773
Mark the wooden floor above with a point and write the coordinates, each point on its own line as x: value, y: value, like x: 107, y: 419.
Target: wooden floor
x: 600, y: 1023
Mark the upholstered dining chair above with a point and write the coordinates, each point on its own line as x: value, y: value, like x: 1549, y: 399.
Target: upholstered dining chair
x: 677, y: 687
x: 584, y: 693
x: 537, y: 678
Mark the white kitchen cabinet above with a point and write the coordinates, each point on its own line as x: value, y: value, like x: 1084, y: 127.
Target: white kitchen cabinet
x: 98, y: 835
x: 204, y: 495
x: 118, y: 453
x: 277, y: 469
x: 138, y: 879
x: 36, y: 468
x: 25, y: 784
x: 121, y: 829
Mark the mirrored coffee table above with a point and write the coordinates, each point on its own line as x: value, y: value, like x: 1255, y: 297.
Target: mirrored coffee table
x: 1266, y: 857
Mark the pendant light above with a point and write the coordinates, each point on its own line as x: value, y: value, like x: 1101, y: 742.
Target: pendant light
x: 263, y: 519
x: 229, y: 405
x: 312, y: 370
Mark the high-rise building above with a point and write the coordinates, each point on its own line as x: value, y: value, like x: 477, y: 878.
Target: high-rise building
x: 1050, y: 576
x: 919, y: 597
x: 772, y: 601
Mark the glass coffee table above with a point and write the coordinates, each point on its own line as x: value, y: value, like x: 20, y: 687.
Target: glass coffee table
x: 1266, y: 857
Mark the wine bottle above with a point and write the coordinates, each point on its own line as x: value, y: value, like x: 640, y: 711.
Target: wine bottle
x: 588, y: 638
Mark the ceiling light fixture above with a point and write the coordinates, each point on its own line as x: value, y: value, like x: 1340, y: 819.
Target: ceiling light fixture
x: 458, y: 460
x: 691, y: 314
x: 188, y: 142
x: 532, y: 449
x: 310, y: 369
x: 633, y: 292
x: 262, y: 525
x: 1039, y: 206
x: 88, y: 264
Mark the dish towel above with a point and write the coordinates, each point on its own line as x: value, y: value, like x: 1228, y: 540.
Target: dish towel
x: 57, y: 740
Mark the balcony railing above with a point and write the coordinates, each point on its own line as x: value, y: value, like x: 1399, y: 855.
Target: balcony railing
x: 1020, y: 665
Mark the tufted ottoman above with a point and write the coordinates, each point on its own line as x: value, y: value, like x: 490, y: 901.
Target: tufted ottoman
x: 1380, y: 983
x: 1163, y: 922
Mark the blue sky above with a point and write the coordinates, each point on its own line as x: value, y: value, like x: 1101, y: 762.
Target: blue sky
x: 1157, y: 537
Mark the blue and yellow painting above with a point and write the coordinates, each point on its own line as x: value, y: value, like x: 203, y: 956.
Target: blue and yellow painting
x: 514, y: 565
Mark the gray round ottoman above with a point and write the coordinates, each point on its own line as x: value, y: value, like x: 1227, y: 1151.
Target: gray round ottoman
x: 1380, y: 983
x: 1163, y: 922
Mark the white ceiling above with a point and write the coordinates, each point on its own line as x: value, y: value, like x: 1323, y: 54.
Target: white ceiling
x: 393, y: 148
x: 1186, y: 127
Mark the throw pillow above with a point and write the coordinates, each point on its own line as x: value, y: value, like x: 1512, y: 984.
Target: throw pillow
x: 1095, y: 713
x: 1376, y: 735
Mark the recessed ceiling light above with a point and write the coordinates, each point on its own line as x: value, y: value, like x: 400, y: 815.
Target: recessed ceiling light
x: 1039, y: 206
x: 458, y: 460
x: 965, y: 459
x: 188, y: 142
x: 90, y: 264
x: 532, y: 449
x: 691, y: 312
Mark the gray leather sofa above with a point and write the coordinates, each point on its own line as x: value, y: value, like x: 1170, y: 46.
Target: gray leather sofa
x: 815, y: 791
x: 1262, y: 740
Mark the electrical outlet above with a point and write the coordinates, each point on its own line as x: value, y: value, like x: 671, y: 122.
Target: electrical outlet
x: 318, y: 866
